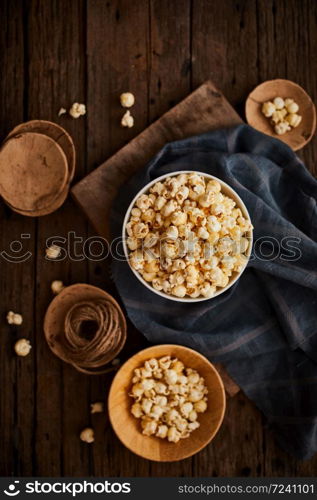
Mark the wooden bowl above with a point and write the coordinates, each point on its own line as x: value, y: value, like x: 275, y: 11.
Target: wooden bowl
x: 128, y: 428
x: 297, y: 137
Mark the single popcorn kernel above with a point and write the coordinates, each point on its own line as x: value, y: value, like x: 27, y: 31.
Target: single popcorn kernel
x: 22, y: 347
x: 53, y: 252
x: 292, y: 107
x: 293, y: 119
x: 168, y: 398
x: 14, y: 318
x: 127, y: 99
x: 57, y: 286
x: 268, y: 109
x: 77, y: 110
x: 279, y: 103
x: 87, y: 435
x: 127, y: 120
x: 97, y: 407
x: 282, y: 128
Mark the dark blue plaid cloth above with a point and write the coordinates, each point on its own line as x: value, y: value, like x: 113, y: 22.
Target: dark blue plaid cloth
x: 264, y: 329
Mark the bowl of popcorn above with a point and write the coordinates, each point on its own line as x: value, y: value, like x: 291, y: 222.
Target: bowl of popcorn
x: 281, y: 108
x: 166, y: 403
x: 187, y: 236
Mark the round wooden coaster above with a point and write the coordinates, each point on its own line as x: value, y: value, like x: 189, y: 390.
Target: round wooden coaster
x: 55, y: 132
x: 55, y: 205
x: 297, y: 137
x: 33, y: 171
x: 54, y: 321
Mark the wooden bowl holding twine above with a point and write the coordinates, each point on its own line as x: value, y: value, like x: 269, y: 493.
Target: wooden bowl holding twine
x: 296, y: 138
x: 37, y: 163
x: 128, y: 428
x: 85, y: 327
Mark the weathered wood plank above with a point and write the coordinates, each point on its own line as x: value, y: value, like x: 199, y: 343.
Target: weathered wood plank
x: 286, y: 50
x: 17, y: 279
x: 56, y: 50
x: 116, y: 63
x: 221, y: 50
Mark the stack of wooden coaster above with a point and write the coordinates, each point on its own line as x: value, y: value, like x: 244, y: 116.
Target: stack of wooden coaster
x: 37, y: 165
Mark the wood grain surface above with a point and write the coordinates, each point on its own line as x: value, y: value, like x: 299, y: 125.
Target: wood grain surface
x: 54, y: 53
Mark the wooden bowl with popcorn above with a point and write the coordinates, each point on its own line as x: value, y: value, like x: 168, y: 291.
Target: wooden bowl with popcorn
x: 282, y: 109
x: 187, y: 236
x: 166, y: 403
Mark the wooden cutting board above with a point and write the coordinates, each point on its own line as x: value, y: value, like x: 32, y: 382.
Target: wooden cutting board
x: 204, y: 110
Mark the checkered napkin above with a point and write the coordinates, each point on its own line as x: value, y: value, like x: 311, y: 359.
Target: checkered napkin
x: 264, y: 329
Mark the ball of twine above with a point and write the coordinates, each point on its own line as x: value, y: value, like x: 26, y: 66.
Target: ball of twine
x: 90, y: 352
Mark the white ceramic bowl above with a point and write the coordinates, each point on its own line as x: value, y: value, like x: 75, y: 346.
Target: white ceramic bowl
x: 225, y: 189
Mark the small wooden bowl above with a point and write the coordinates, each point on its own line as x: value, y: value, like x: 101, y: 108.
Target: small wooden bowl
x: 296, y: 138
x: 128, y: 428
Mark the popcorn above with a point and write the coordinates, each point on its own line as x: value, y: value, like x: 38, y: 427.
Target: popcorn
x: 283, y: 114
x: 22, y: 347
x: 62, y: 111
x: 184, y: 235
x: 97, y: 407
x: 87, y: 435
x: 57, y: 286
x: 53, y: 252
x: 127, y: 120
x: 77, y: 110
x: 293, y: 119
x: 168, y: 398
x: 127, y: 99
x: 268, y: 109
x: 14, y: 318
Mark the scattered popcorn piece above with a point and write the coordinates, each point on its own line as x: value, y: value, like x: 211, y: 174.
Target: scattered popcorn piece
x: 53, y: 252
x: 127, y: 120
x: 268, y: 109
x: 281, y: 128
x: 14, y: 318
x: 87, y: 435
x: 127, y: 99
x: 62, y: 111
x: 279, y: 103
x: 77, y: 110
x: 168, y: 398
x: 97, y: 407
x: 57, y: 286
x: 22, y: 347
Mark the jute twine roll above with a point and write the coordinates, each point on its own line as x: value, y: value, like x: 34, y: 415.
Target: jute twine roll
x: 108, y: 340
x: 67, y: 328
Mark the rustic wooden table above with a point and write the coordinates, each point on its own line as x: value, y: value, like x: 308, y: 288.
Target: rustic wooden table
x: 53, y: 53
